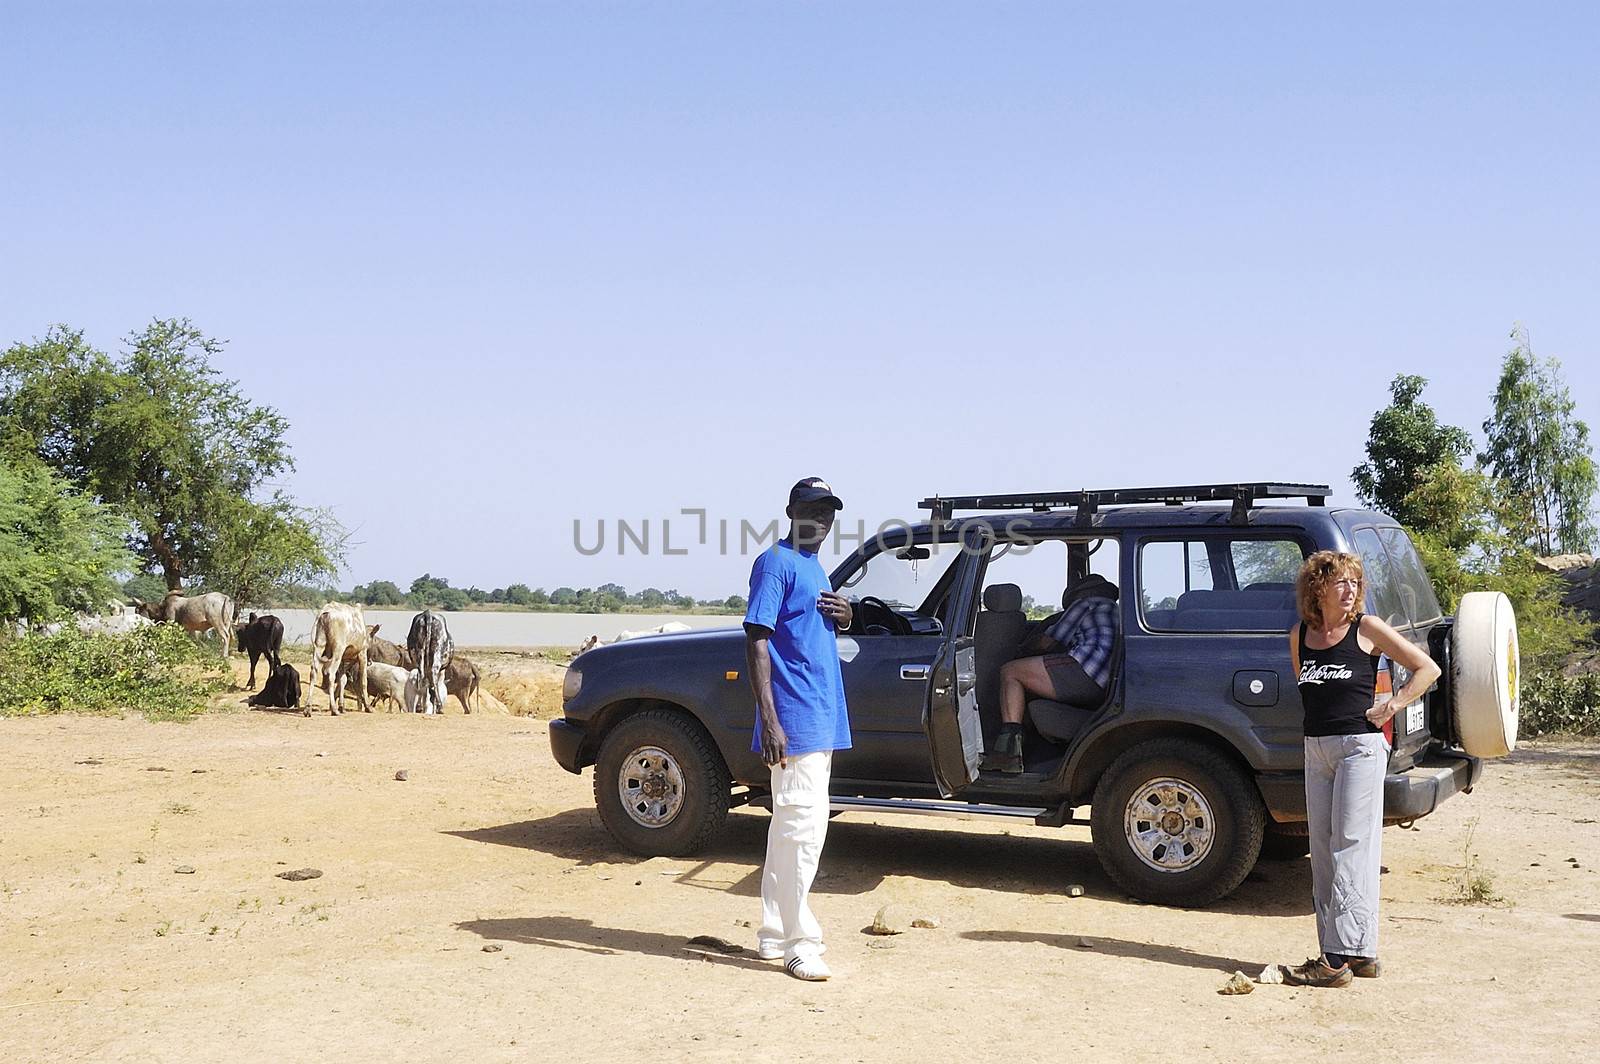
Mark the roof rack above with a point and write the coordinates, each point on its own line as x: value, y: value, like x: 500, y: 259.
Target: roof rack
x: 1243, y: 497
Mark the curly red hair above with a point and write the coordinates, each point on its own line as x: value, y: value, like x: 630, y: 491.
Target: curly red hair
x: 1321, y: 570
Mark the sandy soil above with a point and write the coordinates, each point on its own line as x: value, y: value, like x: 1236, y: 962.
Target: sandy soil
x: 111, y: 951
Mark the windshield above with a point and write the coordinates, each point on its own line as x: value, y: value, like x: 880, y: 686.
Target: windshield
x: 900, y: 578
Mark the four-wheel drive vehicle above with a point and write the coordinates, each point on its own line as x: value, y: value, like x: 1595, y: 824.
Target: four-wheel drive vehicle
x: 1192, y: 765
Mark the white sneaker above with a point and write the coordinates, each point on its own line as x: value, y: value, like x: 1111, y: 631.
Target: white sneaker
x: 811, y: 969
x: 770, y: 953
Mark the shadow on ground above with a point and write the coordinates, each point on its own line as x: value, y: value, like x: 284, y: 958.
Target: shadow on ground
x: 585, y: 936
x: 1116, y: 947
x: 860, y: 854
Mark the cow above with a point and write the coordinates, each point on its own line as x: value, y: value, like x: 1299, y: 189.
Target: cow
x: 430, y: 645
x: 281, y: 689
x: 341, y: 631
x: 387, y: 652
x: 589, y: 644
x: 461, y: 680
x: 670, y: 628
x: 387, y: 683
x: 121, y: 620
x: 260, y: 636
x: 212, y: 611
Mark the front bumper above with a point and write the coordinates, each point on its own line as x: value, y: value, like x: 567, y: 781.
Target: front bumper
x: 566, y: 742
x: 1407, y: 795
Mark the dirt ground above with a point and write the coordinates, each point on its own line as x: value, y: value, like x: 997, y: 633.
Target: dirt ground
x: 141, y: 917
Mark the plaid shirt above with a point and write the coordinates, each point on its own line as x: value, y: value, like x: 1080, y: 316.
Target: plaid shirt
x: 1088, y: 631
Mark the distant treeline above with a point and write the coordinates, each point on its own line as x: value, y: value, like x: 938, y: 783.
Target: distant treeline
x: 429, y: 591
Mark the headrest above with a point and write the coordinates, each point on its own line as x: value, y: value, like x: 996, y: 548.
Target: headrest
x: 1002, y: 598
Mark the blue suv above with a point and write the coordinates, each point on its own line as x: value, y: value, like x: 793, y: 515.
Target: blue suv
x: 1191, y: 767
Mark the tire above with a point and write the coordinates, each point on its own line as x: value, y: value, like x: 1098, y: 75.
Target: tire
x: 677, y: 783
x: 1219, y: 822
x: 1278, y: 846
x: 1485, y: 674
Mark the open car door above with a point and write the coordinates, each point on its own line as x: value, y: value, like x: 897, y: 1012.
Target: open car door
x: 955, y: 735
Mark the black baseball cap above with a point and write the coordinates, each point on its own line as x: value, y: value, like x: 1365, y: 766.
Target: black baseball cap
x: 814, y: 489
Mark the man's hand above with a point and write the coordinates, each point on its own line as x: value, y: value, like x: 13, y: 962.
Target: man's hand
x: 774, y: 744
x: 835, y: 607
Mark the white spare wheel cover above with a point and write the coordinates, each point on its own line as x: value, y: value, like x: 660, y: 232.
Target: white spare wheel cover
x: 1485, y: 674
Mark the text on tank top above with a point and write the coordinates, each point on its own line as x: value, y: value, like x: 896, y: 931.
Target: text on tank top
x: 1337, y: 685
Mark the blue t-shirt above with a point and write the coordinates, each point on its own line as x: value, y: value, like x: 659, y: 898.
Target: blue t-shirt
x: 807, y: 686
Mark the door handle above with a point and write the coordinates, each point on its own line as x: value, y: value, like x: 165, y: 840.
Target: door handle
x: 915, y: 672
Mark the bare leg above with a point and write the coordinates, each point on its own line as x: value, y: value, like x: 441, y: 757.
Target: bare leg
x: 1018, y: 680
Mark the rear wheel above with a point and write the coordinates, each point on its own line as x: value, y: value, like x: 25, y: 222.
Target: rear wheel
x: 1176, y: 822
x: 660, y: 785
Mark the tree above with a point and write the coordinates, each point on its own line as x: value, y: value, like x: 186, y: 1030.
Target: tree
x: 519, y: 595
x: 1541, y: 451
x: 60, y: 551
x: 651, y: 597
x: 146, y: 587
x: 453, y: 598
x: 427, y: 588
x: 160, y: 435
x: 1404, y: 441
x: 563, y: 596
x: 735, y: 602
x: 379, y: 593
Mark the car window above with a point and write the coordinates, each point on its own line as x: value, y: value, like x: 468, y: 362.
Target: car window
x: 1219, y: 583
x: 1383, y: 583
x: 1416, y: 590
x: 900, y: 578
x: 1039, y: 570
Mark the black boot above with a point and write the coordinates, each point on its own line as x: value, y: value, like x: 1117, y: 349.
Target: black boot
x: 1007, y: 753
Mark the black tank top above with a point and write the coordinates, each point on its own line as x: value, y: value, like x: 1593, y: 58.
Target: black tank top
x: 1337, y: 685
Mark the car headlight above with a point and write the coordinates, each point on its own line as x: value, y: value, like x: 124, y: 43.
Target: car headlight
x: 572, y: 684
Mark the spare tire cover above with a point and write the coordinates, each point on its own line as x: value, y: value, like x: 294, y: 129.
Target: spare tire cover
x: 1485, y: 674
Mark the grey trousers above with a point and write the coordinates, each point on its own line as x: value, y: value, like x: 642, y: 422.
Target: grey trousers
x: 1344, y: 813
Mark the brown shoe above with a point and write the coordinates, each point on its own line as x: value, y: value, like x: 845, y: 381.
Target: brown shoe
x: 1364, y: 967
x: 1316, y: 972
x: 1005, y: 757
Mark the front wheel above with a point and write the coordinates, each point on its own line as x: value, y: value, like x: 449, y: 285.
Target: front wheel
x: 660, y: 785
x: 1176, y: 822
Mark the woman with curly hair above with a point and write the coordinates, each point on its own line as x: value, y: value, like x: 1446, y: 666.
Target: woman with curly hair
x: 1335, y: 649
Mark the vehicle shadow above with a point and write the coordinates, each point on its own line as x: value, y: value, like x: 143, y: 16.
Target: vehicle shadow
x: 859, y: 855
x: 1591, y: 917
x: 585, y: 936
x: 1117, y: 947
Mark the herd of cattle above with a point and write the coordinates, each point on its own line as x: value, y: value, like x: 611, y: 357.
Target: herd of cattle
x: 345, y: 650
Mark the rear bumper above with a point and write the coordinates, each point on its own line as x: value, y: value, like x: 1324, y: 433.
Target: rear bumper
x: 1406, y: 795
x: 566, y: 743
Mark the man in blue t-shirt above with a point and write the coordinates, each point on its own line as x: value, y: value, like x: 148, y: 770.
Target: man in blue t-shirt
x: 793, y: 662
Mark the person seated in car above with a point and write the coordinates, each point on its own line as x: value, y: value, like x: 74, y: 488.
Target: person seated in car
x: 1068, y: 659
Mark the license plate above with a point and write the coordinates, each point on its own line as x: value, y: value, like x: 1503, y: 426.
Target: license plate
x: 1414, y: 718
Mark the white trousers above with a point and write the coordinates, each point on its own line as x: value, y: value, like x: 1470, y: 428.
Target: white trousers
x: 794, y: 845
x: 1344, y: 814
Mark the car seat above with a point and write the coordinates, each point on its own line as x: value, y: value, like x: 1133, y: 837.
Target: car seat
x: 996, y: 637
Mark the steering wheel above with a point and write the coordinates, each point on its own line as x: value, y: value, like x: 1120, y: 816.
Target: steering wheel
x: 875, y: 611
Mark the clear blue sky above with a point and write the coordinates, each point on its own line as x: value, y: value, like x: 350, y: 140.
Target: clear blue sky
x: 503, y: 266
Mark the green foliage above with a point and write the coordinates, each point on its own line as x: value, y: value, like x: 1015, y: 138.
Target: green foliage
x: 163, y: 437
x: 146, y: 587
x: 157, y: 670
x: 1404, y: 441
x: 1541, y: 451
x: 521, y: 595
x: 735, y: 602
x: 379, y: 593
x: 59, y: 550
x: 1553, y: 704
x: 1465, y: 545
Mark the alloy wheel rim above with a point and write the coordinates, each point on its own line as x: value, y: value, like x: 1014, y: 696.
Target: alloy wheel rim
x: 650, y: 784
x: 1168, y: 824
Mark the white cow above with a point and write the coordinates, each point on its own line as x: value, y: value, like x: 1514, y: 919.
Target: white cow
x: 195, y: 613
x: 387, y: 683
x: 661, y: 629
x: 341, y: 632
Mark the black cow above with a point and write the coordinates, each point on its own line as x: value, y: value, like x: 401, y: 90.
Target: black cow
x: 260, y: 636
x: 282, y: 689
